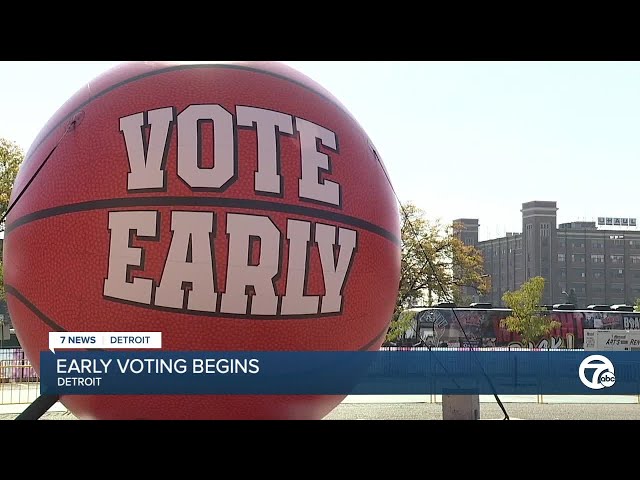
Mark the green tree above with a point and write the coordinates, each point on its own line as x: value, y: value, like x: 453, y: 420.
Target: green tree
x: 636, y: 307
x: 526, y: 318
x: 401, y: 324
x: 11, y: 157
x: 435, y: 265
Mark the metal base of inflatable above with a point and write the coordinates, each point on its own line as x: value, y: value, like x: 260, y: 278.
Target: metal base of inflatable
x: 38, y: 407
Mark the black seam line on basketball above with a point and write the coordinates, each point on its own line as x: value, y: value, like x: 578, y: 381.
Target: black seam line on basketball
x: 223, y: 315
x: 36, y: 311
x: 13, y: 291
x: 176, y: 68
x: 260, y: 205
x: 375, y: 339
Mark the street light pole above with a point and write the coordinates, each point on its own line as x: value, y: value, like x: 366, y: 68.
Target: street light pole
x: 486, y: 275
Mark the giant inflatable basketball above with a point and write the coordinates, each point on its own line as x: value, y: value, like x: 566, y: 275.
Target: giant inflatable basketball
x: 230, y: 206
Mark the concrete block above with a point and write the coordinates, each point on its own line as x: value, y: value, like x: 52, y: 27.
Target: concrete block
x: 461, y: 405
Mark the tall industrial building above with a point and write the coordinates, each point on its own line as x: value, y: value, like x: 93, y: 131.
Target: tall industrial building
x: 600, y: 262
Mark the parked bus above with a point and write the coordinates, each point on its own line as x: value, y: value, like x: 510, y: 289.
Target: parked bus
x: 445, y: 326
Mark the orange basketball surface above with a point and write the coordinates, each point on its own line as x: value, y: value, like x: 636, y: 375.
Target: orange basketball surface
x: 230, y: 206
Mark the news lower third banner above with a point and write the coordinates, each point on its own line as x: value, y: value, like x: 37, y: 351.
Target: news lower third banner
x: 555, y: 372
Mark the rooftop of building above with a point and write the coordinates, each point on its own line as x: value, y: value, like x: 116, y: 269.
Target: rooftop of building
x: 604, y: 225
x: 579, y: 225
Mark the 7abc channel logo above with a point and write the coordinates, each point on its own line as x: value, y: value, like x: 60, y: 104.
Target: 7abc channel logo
x: 603, y: 375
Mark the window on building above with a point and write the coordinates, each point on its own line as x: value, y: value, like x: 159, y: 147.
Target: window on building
x: 577, y: 258
x: 618, y: 242
x: 597, y: 289
x: 563, y: 274
x: 544, y: 229
x: 616, y: 288
x: 561, y: 257
x: 617, y: 273
x: 577, y: 244
x: 597, y: 258
x: 634, y: 258
x: 579, y: 289
x: 597, y: 244
x: 598, y: 274
x: 617, y: 258
x: 561, y: 243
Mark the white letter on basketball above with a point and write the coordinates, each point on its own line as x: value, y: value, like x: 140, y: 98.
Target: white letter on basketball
x: 122, y: 256
x: 313, y: 161
x: 146, y: 167
x: 190, y: 229
x: 240, y: 274
x: 294, y: 301
x: 334, y: 272
x: 190, y: 143
x: 268, y: 124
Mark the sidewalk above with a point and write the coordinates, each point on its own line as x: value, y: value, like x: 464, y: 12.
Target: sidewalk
x: 426, y: 407
x: 18, y: 408
x: 490, y: 411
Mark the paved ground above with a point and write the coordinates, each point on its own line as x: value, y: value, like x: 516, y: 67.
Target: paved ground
x: 416, y: 410
x: 15, y: 398
x: 522, y: 411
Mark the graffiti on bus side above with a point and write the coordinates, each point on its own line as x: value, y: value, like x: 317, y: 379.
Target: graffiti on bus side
x: 481, y: 328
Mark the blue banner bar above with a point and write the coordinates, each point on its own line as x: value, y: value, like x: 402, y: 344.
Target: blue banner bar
x: 553, y: 372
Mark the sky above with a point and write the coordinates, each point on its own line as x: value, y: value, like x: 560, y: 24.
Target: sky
x: 459, y: 139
